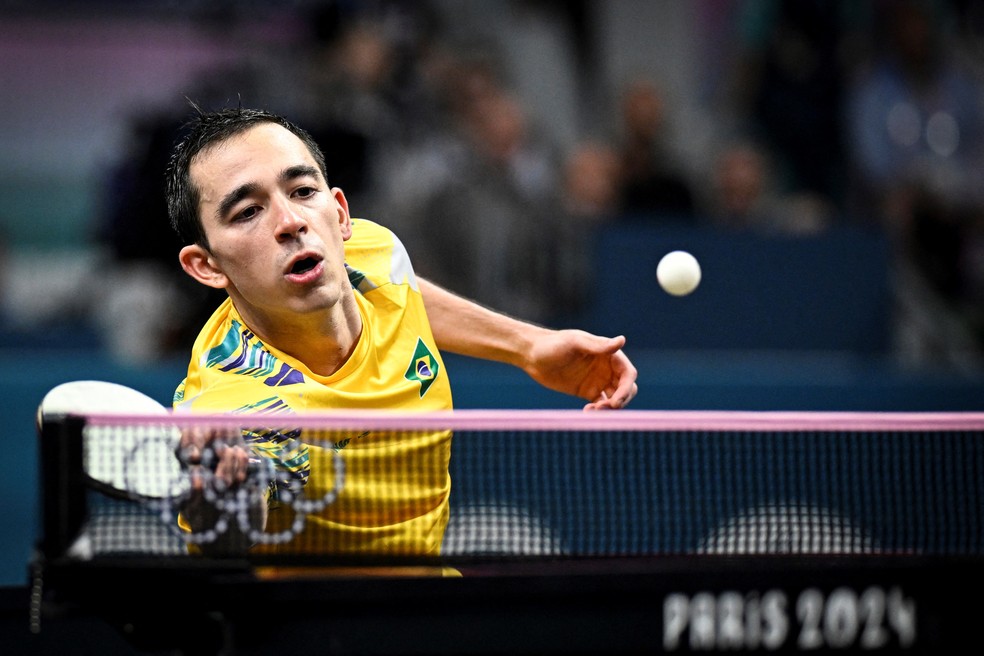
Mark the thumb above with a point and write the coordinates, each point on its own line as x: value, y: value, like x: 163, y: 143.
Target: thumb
x: 613, y: 344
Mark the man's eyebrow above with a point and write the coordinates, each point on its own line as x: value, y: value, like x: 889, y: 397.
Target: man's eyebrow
x: 229, y: 200
x: 298, y: 171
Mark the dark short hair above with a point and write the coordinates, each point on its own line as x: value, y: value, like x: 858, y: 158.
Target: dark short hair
x: 202, y: 131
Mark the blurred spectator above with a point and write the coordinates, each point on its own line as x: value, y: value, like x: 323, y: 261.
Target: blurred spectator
x: 142, y: 274
x: 348, y: 104
x: 591, y: 187
x: 793, y: 58
x: 654, y: 186
x: 917, y: 138
x: 135, y: 224
x: 474, y: 202
x: 916, y: 126
x: 744, y: 196
x: 590, y: 197
x: 363, y: 93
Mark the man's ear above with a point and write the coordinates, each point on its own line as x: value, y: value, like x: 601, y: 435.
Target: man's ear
x: 198, y: 263
x: 344, y: 218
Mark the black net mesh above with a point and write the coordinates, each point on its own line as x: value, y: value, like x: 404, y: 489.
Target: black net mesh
x: 510, y: 492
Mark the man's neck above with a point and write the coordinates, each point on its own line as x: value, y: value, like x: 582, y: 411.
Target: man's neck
x: 323, y: 341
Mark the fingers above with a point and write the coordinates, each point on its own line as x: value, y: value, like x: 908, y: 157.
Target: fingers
x: 192, y: 445
x: 601, y: 404
x: 615, y: 402
x: 224, y: 453
x: 625, y: 387
x: 233, y: 465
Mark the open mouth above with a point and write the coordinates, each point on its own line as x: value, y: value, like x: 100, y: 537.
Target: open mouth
x: 304, y: 265
x: 305, y: 269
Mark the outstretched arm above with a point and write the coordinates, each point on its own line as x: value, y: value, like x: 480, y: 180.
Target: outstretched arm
x: 569, y: 361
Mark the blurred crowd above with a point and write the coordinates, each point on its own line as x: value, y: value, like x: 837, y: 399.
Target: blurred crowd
x: 825, y: 113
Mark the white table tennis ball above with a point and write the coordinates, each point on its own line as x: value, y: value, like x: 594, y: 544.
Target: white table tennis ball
x: 678, y: 273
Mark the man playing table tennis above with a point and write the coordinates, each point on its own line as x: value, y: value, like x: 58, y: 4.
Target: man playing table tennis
x: 324, y: 311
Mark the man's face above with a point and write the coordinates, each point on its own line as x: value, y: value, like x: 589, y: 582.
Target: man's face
x: 274, y: 227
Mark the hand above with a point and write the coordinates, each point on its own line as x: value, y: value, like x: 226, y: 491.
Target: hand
x: 218, y: 463
x: 223, y: 453
x: 584, y: 365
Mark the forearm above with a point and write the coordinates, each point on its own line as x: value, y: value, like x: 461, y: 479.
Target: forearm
x: 467, y: 328
x: 573, y: 362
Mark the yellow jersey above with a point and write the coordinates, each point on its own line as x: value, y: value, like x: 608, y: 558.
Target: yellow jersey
x: 389, y: 494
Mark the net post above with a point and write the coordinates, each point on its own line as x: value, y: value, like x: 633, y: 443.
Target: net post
x: 63, y: 497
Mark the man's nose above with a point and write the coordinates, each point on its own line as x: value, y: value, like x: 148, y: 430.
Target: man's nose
x: 289, y: 222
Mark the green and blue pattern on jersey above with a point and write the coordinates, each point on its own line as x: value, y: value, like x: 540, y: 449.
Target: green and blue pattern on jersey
x: 241, y: 352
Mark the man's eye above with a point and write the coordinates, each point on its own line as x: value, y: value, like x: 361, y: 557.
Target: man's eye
x: 305, y: 192
x: 246, y: 214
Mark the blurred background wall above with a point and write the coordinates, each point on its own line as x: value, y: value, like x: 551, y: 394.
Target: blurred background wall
x: 822, y: 159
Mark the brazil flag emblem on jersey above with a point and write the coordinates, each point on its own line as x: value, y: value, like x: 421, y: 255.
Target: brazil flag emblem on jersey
x: 423, y: 367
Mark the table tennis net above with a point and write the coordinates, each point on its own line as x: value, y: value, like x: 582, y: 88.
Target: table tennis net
x: 522, y: 485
